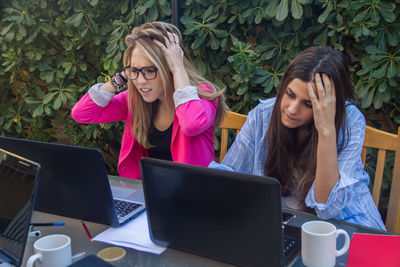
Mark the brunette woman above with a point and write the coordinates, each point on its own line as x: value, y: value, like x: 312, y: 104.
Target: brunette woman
x: 310, y: 138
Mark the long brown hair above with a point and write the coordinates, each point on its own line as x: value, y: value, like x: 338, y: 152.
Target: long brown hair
x: 285, y: 154
x: 142, y: 38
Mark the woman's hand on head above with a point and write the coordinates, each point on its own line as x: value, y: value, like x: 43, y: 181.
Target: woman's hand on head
x: 323, y: 99
x: 173, y: 52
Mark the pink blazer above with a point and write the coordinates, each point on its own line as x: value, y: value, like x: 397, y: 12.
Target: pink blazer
x: 192, y: 132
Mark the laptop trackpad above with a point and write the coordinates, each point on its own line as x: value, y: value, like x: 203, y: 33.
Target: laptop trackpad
x: 127, y: 193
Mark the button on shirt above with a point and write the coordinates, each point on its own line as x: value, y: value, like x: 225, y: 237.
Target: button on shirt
x: 350, y: 200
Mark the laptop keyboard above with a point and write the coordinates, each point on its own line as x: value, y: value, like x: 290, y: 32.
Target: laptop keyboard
x: 125, y: 207
x: 291, y: 243
x: 288, y: 245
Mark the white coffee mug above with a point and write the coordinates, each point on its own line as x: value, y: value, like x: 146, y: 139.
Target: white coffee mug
x: 51, y: 251
x: 318, y: 243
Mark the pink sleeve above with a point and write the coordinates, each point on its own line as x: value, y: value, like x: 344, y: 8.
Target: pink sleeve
x: 86, y: 111
x: 196, y: 116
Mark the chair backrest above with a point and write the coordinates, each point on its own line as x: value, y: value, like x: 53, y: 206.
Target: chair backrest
x: 234, y: 121
x: 384, y: 141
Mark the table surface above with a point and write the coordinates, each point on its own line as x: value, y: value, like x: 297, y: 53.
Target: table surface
x: 171, y: 257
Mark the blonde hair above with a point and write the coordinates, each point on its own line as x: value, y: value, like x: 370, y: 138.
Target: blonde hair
x: 142, y: 38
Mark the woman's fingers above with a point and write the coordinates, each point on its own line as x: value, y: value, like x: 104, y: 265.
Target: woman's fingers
x: 161, y: 45
x: 172, y: 50
x: 313, y: 96
x: 333, y: 90
x: 327, y: 84
x: 171, y: 40
x: 319, y: 85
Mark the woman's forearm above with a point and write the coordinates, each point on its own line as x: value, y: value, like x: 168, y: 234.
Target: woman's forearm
x: 327, y: 169
x: 108, y: 87
x: 181, y: 78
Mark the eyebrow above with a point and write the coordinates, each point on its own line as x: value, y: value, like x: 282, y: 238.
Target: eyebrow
x: 305, y: 101
x: 142, y: 67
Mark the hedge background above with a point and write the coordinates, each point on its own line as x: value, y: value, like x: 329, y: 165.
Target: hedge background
x: 52, y: 51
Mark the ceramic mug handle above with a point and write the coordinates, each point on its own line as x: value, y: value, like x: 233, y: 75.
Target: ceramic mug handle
x: 346, y: 242
x: 32, y: 259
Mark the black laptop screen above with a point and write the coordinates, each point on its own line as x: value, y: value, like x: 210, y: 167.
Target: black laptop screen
x: 17, y: 191
x: 223, y: 215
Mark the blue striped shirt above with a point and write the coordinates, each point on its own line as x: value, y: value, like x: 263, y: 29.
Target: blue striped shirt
x: 350, y: 200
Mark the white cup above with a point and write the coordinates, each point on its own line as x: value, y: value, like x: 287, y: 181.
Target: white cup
x: 318, y: 243
x: 51, y: 251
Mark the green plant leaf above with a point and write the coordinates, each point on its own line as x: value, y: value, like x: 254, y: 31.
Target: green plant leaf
x: 367, y: 100
x: 392, y: 38
x: 258, y: 17
x: 271, y: 9
x: 378, y: 101
x: 9, y: 36
x: 75, y: 20
x: 387, y: 16
x: 296, y: 9
x: 360, y: 16
x: 38, y: 111
x: 47, y: 76
x: 31, y: 100
x: 6, y: 29
x: 94, y: 2
x: 374, y: 50
x: 363, y: 90
x: 322, y: 38
x: 48, y: 110
x: 382, y: 87
x: 392, y: 70
x: 242, y: 89
x: 282, y: 11
x: 322, y: 18
x: 198, y: 42
x: 49, y: 97
x: 380, y: 73
x: 57, y: 102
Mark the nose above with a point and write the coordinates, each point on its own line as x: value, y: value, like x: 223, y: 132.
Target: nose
x: 140, y: 78
x: 293, y: 107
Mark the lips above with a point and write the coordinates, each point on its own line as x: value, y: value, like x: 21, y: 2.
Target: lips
x: 145, y: 90
x: 289, y: 118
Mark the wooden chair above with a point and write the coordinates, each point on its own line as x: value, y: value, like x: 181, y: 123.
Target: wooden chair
x: 234, y: 121
x: 384, y: 141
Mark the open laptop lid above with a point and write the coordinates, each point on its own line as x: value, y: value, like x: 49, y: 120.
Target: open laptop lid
x: 224, y: 215
x: 74, y: 180
x: 19, y: 180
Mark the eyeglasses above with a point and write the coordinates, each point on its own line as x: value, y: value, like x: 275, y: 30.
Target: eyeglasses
x: 149, y: 73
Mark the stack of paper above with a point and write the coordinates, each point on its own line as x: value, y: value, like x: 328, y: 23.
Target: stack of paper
x: 374, y: 250
x: 134, y: 234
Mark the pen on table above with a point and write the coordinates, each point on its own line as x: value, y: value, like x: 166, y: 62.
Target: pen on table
x: 78, y: 255
x: 48, y: 224
x: 87, y: 231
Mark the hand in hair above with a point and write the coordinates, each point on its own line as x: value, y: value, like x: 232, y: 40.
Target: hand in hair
x: 324, y: 106
x: 174, y: 55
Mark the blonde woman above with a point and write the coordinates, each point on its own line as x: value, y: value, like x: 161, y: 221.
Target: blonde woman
x: 170, y: 110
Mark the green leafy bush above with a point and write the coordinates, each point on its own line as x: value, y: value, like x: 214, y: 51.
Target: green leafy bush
x: 52, y: 51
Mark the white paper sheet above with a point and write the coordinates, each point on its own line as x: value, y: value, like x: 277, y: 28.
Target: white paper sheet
x: 134, y: 234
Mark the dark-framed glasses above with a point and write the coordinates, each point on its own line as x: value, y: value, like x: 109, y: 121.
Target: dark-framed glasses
x: 149, y: 73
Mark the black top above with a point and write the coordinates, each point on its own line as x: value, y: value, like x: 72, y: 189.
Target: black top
x: 161, y: 142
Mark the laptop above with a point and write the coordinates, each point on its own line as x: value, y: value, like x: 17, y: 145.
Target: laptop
x: 75, y: 183
x: 227, y: 216
x: 19, y: 180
